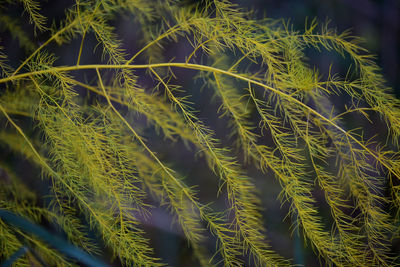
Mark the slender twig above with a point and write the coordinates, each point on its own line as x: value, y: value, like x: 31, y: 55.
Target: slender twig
x: 209, y: 69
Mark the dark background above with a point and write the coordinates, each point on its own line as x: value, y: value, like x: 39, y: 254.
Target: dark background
x: 377, y: 22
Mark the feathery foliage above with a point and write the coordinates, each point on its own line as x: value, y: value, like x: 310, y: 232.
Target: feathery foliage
x: 90, y: 134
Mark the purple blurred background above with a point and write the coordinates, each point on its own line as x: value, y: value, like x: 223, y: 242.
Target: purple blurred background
x: 378, y: 22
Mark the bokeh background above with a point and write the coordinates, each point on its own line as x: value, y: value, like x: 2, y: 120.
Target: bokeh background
x: 378, y: 22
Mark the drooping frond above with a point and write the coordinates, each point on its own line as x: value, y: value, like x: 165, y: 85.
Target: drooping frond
x: 241, y: 192
x: 103, y: 172
x: 110, y: 135
x: 25, y: 203
x: 32, y: 7
x: 4, y: 67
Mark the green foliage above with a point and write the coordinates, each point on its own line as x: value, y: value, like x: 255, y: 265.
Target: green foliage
x: 104, y: 172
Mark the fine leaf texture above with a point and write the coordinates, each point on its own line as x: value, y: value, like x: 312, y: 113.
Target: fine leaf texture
x: 95, y: 133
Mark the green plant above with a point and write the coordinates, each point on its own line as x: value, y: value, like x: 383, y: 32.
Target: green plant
x: 105, y: 176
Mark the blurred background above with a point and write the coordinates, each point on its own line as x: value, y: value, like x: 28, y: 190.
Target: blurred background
x: 377, y: 22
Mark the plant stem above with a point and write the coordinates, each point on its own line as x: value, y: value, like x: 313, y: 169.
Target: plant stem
x: 202, y: 68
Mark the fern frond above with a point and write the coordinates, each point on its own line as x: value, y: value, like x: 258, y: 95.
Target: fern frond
x: 289, y: 169
x: 131, y: 248
x: 228, y: 244
x: 4, y: 67
x: 25, y: 204
x: 96, y: 125
x: 366, y: 185
x: 368, y: 196
x: 102, y: 178
x: 239, y: 113
x: 370, y: 84
x: 32, y: 7
x: 171, y: 194
x: 241, y: 192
